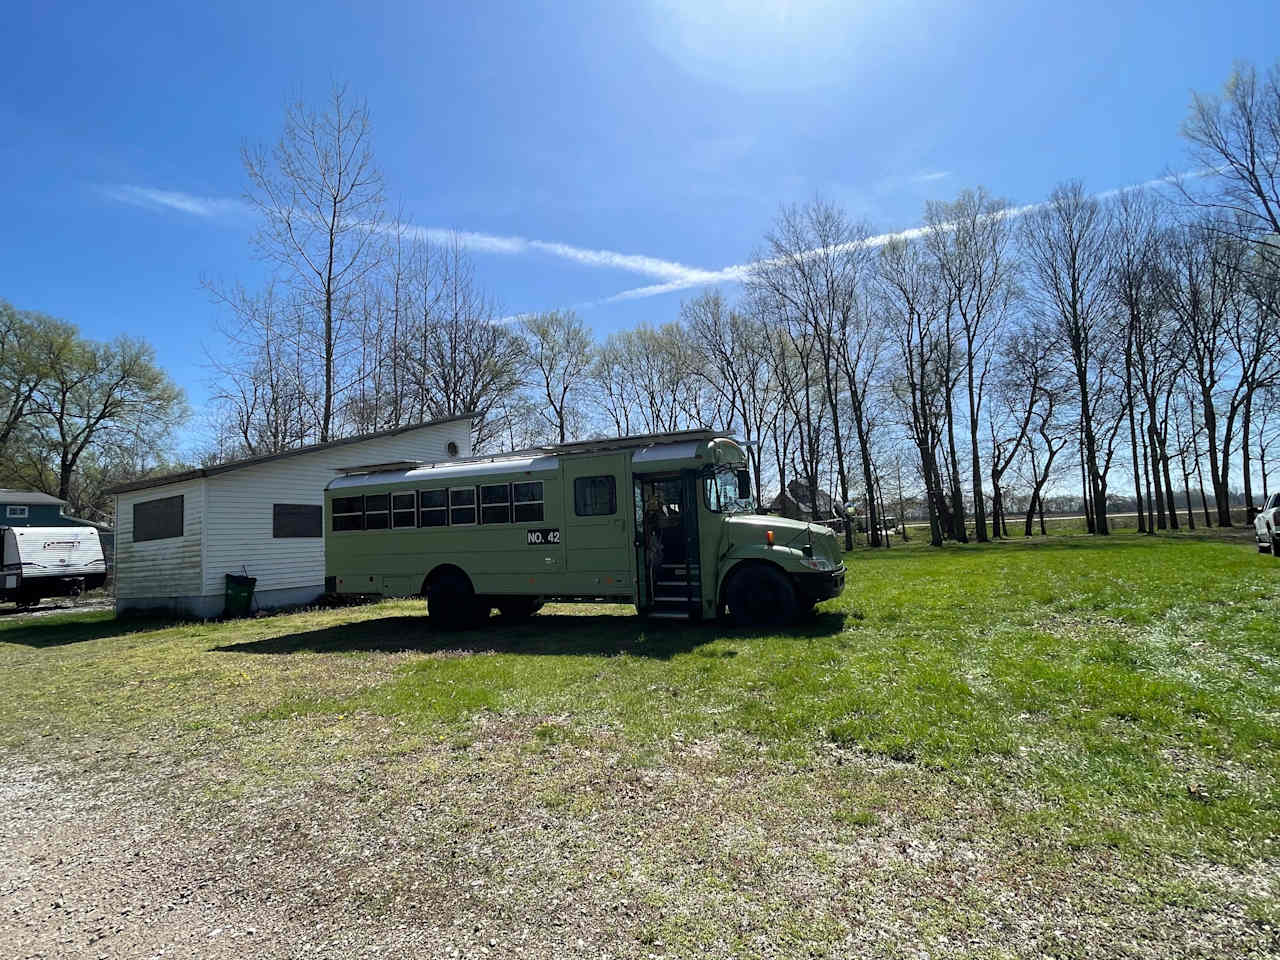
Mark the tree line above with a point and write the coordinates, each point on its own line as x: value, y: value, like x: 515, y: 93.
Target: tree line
x: 1124, y: 344
x: 77, y: 415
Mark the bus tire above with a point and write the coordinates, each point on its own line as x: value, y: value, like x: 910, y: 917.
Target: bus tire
x: 514, y: 609
x: 760, y: 595
x: 452, y: 603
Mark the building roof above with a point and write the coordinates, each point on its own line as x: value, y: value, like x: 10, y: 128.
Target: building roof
x: 30, y: 497
x: 798, y: 493
x: 179, y: 477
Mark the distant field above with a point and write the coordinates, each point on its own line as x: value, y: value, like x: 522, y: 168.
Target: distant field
x: 1064, y: 746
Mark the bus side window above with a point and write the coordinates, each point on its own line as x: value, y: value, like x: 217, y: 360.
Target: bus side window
x: 348, y: 513
x: 495, y: 503
x: 595, y: 496
x: 402, y: 512
x: 433, y: 508
x: 377, y: 511
x: 528, y: 501
x: 462, y: 506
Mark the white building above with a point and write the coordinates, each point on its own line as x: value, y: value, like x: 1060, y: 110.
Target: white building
x: 179, y: 535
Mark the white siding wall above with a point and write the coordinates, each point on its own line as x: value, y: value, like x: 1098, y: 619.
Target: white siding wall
x: 238, y: 517
x: 160, y: 568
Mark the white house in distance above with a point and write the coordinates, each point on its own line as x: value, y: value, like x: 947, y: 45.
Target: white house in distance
x: 177, y: 536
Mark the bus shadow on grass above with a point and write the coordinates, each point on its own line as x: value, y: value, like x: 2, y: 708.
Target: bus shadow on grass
x: 544, y: 635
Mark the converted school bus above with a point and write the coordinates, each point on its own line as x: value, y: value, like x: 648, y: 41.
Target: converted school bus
x: 665, y: 522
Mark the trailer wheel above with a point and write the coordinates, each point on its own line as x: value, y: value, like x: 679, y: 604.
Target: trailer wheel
x: 761, y: 596
x: 514, y: 609
x: 452, y: 603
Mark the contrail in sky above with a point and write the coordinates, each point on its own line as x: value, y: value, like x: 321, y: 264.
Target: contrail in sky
x: 671, y: 275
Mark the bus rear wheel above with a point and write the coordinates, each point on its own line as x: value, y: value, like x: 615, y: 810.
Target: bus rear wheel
x: 761, y: 596
x: 452, y: 603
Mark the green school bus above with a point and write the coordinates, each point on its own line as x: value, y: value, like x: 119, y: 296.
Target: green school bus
x: 664, y: 521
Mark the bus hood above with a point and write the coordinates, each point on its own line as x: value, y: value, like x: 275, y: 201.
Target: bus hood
x: 752, y: 527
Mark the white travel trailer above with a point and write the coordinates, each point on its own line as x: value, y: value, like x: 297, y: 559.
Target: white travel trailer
x: 37, y: 562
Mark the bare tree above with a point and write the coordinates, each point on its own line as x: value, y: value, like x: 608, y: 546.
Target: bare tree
x: 558, y: 354
x: 1236, y: 134
x: 911, y: 300
x: 970, y: 240
x: 735, y: 360
x: 321, y: 201
x: 810, y: 279
x: 465, y: 359
x: 1066, y: 243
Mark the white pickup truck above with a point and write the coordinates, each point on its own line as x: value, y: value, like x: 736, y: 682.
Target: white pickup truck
x: 38, y: 562
x: 1266, y: 526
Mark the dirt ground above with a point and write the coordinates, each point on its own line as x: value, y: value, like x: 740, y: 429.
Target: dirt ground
x: 52, y: 605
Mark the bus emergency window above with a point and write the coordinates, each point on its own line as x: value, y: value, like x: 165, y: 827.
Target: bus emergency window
x: 377, y: 514
x: 495, y: 503
x: 434, y: 506
x: 402, y: 512
x: 594, y: 496
x: 528, y: 501
x: 348, y: 513
x: 462, y: 506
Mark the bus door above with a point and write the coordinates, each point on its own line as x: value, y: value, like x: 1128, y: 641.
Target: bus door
x: 598, y: 535
x: 669, y: 544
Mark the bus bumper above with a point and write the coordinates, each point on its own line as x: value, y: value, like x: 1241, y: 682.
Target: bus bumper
x: 820, y: 586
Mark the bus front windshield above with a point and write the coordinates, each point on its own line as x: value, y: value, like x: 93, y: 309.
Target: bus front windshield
x: 728, y: 490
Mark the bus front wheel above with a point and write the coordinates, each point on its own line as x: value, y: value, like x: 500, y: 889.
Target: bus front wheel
x: 761, y: 596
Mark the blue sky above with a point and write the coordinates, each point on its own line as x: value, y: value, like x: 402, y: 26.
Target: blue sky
x: 668, y: 131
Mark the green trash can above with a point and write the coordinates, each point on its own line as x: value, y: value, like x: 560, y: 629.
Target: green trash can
x: 239, y: 595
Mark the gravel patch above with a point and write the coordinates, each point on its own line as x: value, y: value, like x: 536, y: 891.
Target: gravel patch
x: 513, y: 846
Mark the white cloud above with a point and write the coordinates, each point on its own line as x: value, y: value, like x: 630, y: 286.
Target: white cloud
x: 173, y: 200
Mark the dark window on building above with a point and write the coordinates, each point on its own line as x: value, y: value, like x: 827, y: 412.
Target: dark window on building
x: 434, y: 506
x: 462, y: 506
x: 402, y: 510
x: 495, y: 503
x: 377, y: 511
x: 157, y: 519
x: 528, y: 501
x: 296, y: 520
x: 594, y: 496
x: 348, y: 513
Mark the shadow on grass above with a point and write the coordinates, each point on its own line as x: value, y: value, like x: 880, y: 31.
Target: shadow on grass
x: 57, y: 631
x: 543, y: 635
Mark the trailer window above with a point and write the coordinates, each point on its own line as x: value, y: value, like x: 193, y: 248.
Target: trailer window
x: 528, y: 501
x: 348, y: 513
x: 377, y: 511
x: 594, y: 496
x: 290, y: 520
x: 462, y: 506
x: 433, y: 508
x: 157, y: 519
x: 495, y: 503
x: 403, y: 510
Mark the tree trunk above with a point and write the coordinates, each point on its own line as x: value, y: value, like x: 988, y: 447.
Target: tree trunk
x: 1133, y: 438
x: 979, y: 506
x: 957, y: 498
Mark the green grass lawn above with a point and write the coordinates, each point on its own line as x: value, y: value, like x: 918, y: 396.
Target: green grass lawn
x: 1065, y: 744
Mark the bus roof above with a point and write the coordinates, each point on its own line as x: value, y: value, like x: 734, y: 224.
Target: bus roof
x: 649, y: 447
